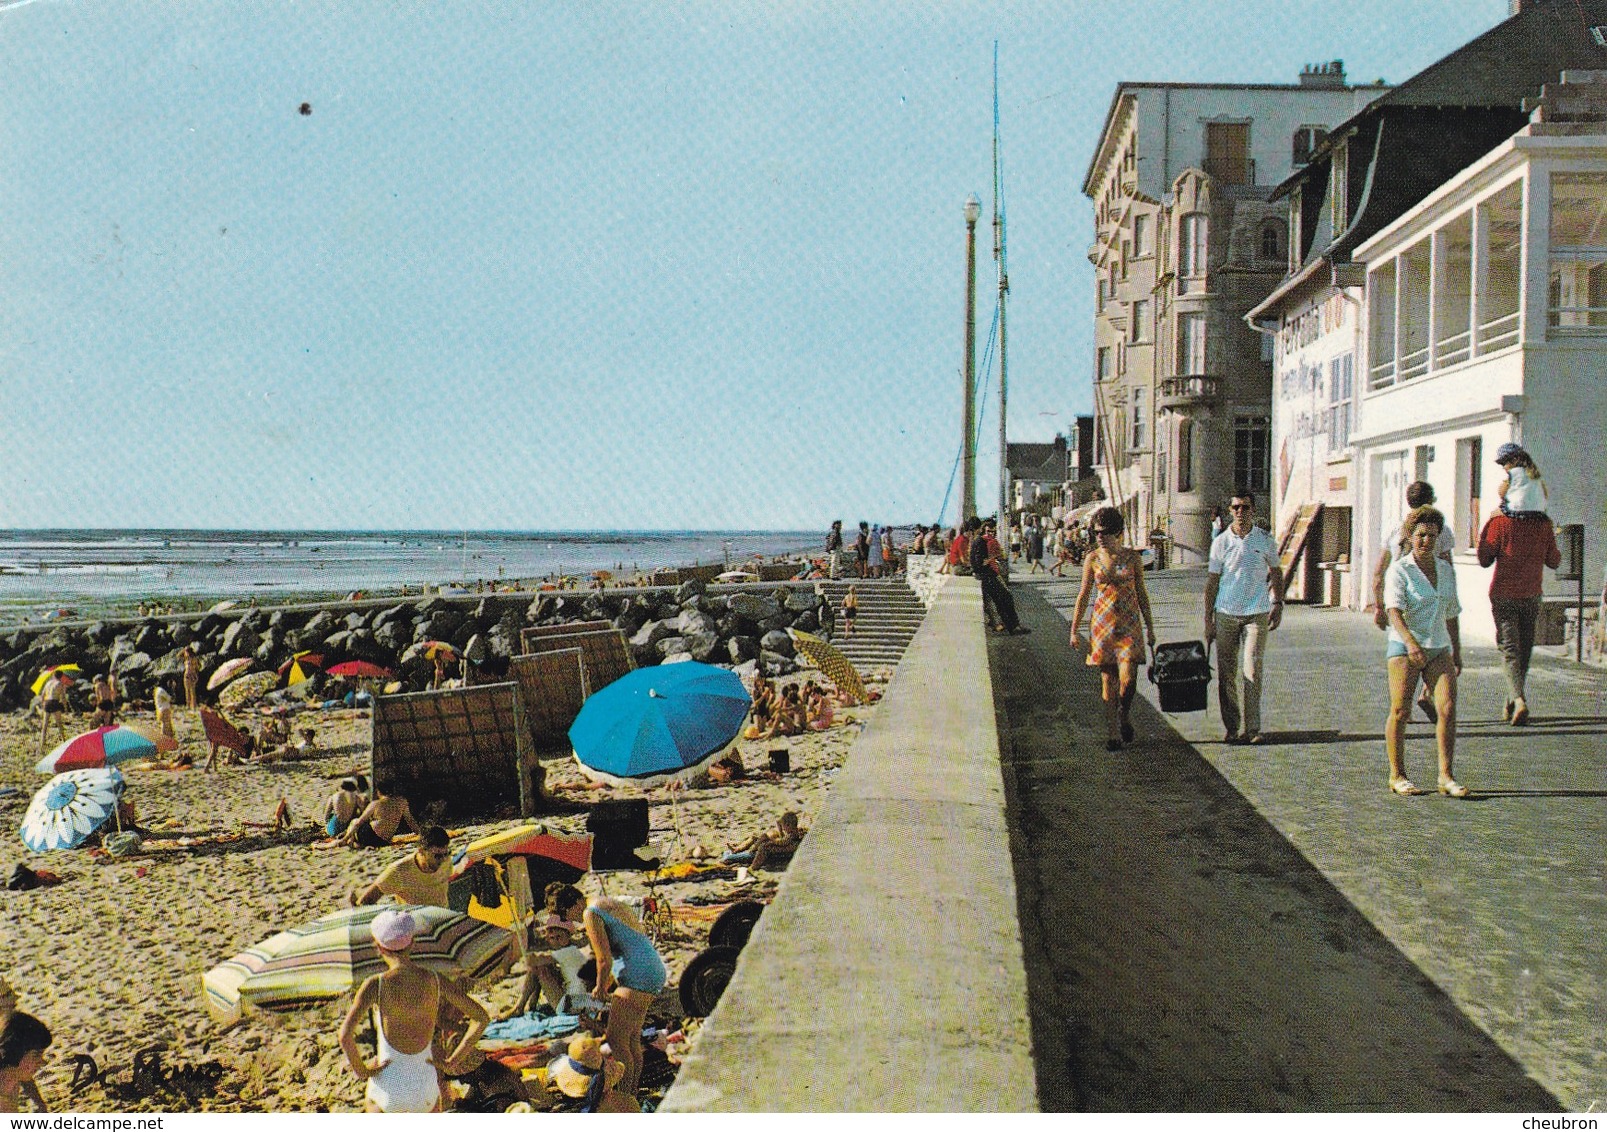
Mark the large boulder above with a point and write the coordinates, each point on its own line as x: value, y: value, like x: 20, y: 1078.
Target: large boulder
x: 440, y: 625
x: 426, y: 607
x: 318, y: 626
x: 753, y: 607
x: 132, y: 664
x: 152, y: 637
x: 239, y: 639
x: 703, y: 645
x: 800, y: 600
x: 742, y: 649
x: 695, y: 621
x: 808, y: 621
x: 477, y: 650
x: 356, y: 620
x: 503, y: 640
x: 777, y: 642
x: 181, y: 634
x: 393, y: 613
x: 775, y: 664
x: 671, y: 645
x: 394, y: 635
x: 651, y: 633
x: 688, y: 590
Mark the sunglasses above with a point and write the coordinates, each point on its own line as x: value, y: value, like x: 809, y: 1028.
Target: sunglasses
x: 1240, y: 507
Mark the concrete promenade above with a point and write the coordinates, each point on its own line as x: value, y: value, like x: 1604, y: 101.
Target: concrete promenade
x: 1213, y: 927
x: 887, y: 976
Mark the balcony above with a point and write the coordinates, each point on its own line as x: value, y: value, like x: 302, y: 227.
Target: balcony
x: 1187, y: 391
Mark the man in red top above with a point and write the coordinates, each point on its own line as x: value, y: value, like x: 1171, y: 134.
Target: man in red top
x: 1520, y: 550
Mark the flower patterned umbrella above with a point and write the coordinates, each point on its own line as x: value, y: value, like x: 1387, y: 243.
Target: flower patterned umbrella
x: 227, y: 671
x: 247, y: 688
x: 70, y: 808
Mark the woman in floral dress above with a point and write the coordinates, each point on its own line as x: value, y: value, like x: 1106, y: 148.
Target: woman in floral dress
x: 1113, y: 576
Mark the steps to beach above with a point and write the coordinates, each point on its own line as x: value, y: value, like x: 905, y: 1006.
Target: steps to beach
x: 889, y: 615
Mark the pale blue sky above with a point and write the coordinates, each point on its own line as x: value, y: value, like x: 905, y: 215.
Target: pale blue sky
x: 639, y: 265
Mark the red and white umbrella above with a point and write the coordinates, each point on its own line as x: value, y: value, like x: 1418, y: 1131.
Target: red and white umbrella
x: 102, y: 747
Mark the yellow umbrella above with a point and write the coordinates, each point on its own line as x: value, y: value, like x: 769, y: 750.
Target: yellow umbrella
x: 39, y: 683
x: 837, y: 667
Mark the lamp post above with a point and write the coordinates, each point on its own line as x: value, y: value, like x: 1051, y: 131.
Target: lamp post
x: 973, y: 209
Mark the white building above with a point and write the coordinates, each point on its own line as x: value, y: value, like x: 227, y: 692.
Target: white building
x: 1486, y: 322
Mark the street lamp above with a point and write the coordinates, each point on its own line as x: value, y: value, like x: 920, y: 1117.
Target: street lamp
x: 973, y: 209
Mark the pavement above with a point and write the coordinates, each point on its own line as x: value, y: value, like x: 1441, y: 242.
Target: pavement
x: 1215, y: 927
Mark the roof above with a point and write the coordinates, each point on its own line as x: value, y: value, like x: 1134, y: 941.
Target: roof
x: 1498, y: 69
x: 1044, y: 463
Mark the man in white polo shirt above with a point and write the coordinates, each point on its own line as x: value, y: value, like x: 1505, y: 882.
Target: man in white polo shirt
x: 1243, y: 603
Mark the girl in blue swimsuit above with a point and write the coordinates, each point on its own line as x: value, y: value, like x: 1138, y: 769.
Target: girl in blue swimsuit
x: 629, y: 968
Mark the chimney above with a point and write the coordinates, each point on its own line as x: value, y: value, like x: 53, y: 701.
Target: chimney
x: 1323, y: 76
x: 1514, y: 7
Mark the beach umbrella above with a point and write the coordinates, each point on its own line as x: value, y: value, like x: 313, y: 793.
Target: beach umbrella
x: 657, y: 724
x: 227, y: 671
x: 102, y: 747
x: 333, y: 954
x: 69, y: 808
x: 431, y: 649
x: 837, y: 667
x: 39, y: 681
x: 296, y: 668
x: 358, y: 669
x: 248, y: 687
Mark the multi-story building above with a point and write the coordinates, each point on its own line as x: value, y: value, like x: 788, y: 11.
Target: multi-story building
x: 1186, y: 243
x: 1430, y: 310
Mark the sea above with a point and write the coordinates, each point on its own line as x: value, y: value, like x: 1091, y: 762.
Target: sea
x: 57, y: 568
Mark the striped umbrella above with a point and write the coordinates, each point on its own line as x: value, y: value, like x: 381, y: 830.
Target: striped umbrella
x: 332, y: 955
x: 39, y: 681
x: 227, y: 671
x: 837, y: 667
x: 70, y: 808
x: 104, y: 746
x: 300, y: 666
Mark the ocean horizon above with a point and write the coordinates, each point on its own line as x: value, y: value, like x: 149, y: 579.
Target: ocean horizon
x: 122, y: 565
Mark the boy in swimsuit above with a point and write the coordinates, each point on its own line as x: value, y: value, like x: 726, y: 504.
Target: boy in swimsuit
x: 105, y: 702
x: 379, y: 824
x: 53, y: 704
x: 407, y: 1002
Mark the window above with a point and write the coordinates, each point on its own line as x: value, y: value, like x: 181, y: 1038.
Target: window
x: 1227, y: 152
x: 1469, y: 486
x: 1306, y: 141
x: 1141, y: 235
x: 1250, y: 454
x: 1339, y: 189
x: 1577, y: 296
x: 1162, y: 457
x: 1102, y: 364
x: 1138, y: 435
x: 1127, y: 252
x: 1138, y: 328
x: 1191, y: 343
x: 1192, y: 232
x: 1099, y: 293
x: 1341, y: 402
x: 1185, y: 455
x: 1272, y: 240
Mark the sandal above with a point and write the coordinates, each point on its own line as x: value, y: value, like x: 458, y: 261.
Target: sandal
x: 1404, y: 787
x: 1520, y: 714
x: 1451, y: 788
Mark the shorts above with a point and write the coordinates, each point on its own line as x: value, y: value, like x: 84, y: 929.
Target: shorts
x: 54, y: 706
x: 1395, y: 649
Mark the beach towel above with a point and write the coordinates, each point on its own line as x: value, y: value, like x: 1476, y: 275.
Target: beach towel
x: 528, y: 1027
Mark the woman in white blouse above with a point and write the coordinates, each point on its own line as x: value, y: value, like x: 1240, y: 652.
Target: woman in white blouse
x: 1424, y: 642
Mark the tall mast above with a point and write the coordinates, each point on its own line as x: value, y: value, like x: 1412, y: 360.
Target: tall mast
x: 1004, y: 291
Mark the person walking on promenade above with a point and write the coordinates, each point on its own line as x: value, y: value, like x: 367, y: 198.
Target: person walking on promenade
x: 1520, y: 548
x: 874, y: 562
x: 1424, y: 641
x: 834, y: 550
x: 1243, y: 603
x: 192, y: 674
x: 1418, y: 494
x: 1035, y: 544
x: 985, y: 553
x: 1113, y: 576
x: 862, y: 548
x: 407, y: 1002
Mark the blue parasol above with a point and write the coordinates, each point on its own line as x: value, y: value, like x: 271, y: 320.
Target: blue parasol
x: 656, y: 724
x: 69, y: 808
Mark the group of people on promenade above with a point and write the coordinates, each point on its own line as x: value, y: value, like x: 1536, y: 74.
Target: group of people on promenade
x: 1414, y: 598
x: 875, y: 554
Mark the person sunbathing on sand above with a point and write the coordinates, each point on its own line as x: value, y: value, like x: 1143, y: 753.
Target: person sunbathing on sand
x: 343, y: 805
x: 378, y: 825
x: 26, y: 1087
x: 772, y: 844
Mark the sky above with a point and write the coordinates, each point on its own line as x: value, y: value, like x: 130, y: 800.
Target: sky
x: 565, y: 266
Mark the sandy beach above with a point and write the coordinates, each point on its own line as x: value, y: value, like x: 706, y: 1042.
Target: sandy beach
x: 111, y: 958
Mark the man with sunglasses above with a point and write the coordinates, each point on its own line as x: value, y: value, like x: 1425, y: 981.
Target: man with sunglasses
x: 1243, y: 603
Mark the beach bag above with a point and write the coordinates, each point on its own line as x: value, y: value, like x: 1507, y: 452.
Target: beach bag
x: 1181, y: 671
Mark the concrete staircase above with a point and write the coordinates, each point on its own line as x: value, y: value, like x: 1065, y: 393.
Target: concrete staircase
x: 889, y: 614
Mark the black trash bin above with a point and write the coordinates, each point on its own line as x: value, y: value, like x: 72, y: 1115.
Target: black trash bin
x: 1181, y: 670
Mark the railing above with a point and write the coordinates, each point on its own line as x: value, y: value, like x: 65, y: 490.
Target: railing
x: 1382, y: 375
x: 1453, y: 349
x: 1578, y: 320
x: 1414, y: 364
x: 1498, y: 333
x: 1189, y: 389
